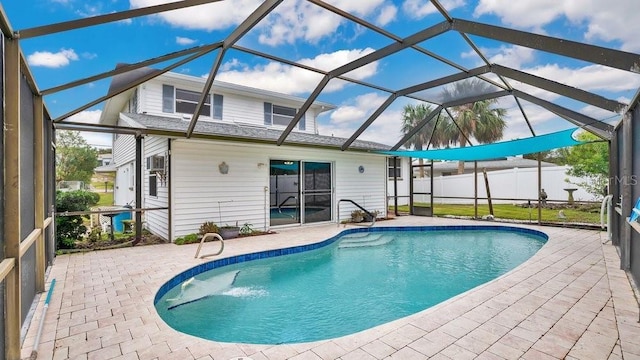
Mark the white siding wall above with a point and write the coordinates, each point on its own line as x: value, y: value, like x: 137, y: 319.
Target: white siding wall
x: 235, y: 108
x: 156, y: 221
x: 198, y: 186
x: 124, y: 155
x: 124, y: 149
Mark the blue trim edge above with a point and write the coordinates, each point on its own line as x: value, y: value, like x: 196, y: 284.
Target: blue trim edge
x: 189, y: 273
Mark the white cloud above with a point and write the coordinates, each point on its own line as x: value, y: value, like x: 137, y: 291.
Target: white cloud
x: 418, y: 9
x: 52, y: 60
x: 292, y: 80
x: 349, y: 116
x: 291, y: 20
x: 590, y: 78
x: 95, y: 139
x: 603, y: 20
x: 184, y: 40
x: 361, y: 108
x: 213, y: 16
x: 387, y: 15
x: 511, y: 56
x: 86, y: 117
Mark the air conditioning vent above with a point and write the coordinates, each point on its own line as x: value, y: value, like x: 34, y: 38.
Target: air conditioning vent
x: 155, y: 163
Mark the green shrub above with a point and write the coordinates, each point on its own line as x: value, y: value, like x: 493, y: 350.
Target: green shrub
x: 208, y: 227
x: 70, y: 228
x: 187, y: 239
x: 246, y: 229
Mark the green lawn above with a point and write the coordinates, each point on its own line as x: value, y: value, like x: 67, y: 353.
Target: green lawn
x: 508, y: 211
x: 105, y: 199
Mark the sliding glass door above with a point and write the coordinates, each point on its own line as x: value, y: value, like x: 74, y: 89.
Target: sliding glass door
x: 316, y: 192
x: 284, y: 192
x: 300, y: 192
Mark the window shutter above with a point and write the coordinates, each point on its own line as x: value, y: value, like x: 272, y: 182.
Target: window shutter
x: 267, y: 113
x: 167, y: 99
x: 302, y: 122
x: 217, y: 106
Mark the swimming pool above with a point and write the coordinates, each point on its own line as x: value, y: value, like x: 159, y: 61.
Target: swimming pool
x: 343, y: 285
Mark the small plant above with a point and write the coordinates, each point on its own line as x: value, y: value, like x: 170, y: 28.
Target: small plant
x: 357, y: 216
x: 374, y: 214
x: 187, y: 239
x: 95, y: 235
x: 246, y: 229
x: 208, y: 227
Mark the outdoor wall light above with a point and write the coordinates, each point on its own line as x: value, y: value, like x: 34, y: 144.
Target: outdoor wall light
x: 223, y: 167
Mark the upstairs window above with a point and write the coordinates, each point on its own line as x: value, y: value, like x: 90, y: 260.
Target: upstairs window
x: 281, y: 115
x: 185, y: 102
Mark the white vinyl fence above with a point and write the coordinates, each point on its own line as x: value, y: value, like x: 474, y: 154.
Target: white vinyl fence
x: 513, y: 183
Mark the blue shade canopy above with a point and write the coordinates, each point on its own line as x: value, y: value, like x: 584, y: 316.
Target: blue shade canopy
x: 496, y: 150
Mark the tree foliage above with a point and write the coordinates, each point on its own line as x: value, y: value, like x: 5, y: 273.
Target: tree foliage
x: 71, y: 228
x: 590, y: 162
x: 75, y: 159
x: 412, y: 116
x: 480, y: 120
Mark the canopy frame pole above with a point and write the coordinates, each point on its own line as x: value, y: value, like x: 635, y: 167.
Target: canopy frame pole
x: 475, y: 189
x: 539, y: 188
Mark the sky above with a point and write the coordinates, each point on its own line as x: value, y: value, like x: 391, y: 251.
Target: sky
x: 302, y: 32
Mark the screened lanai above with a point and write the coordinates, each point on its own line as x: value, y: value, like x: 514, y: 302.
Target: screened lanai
x: 245, y: 45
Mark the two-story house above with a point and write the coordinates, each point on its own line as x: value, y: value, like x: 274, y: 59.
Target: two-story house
x: 231, y: 170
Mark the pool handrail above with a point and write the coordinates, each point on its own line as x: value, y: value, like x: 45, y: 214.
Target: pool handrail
x: 372, y: 216
x: 204, y: 237
x: 284, y: 201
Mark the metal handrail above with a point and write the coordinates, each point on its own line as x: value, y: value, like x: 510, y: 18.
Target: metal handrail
x: 284, y: 201
x: 204, y: 237
x: 372, y: 216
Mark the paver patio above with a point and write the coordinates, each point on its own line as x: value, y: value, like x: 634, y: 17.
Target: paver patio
x: 569, y: 301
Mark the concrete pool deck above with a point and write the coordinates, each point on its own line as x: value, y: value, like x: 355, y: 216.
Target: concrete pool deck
x: 569, y: 301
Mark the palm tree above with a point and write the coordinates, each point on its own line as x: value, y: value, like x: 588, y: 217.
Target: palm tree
x: 480, y: 120
x: 412, y: 115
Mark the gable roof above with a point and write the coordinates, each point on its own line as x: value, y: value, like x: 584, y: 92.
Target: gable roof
x: 237, y: 132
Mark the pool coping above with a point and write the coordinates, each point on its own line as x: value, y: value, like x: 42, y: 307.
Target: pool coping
x: 570, y: 300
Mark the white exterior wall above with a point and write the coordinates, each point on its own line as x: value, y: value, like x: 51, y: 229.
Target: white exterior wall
x: 513, y: 183
x: 199, y: 190
x: 156, y: 221
x: 235, y: 108
x: 124, y: 155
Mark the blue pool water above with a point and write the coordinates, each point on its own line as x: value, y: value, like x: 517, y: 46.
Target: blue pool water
x: 340, y: 286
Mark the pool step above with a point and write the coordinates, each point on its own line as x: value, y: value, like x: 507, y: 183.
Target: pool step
x: 366, y: 241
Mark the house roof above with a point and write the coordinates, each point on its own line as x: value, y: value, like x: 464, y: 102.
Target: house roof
x: 233, y: 131
x: 507, y: 163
